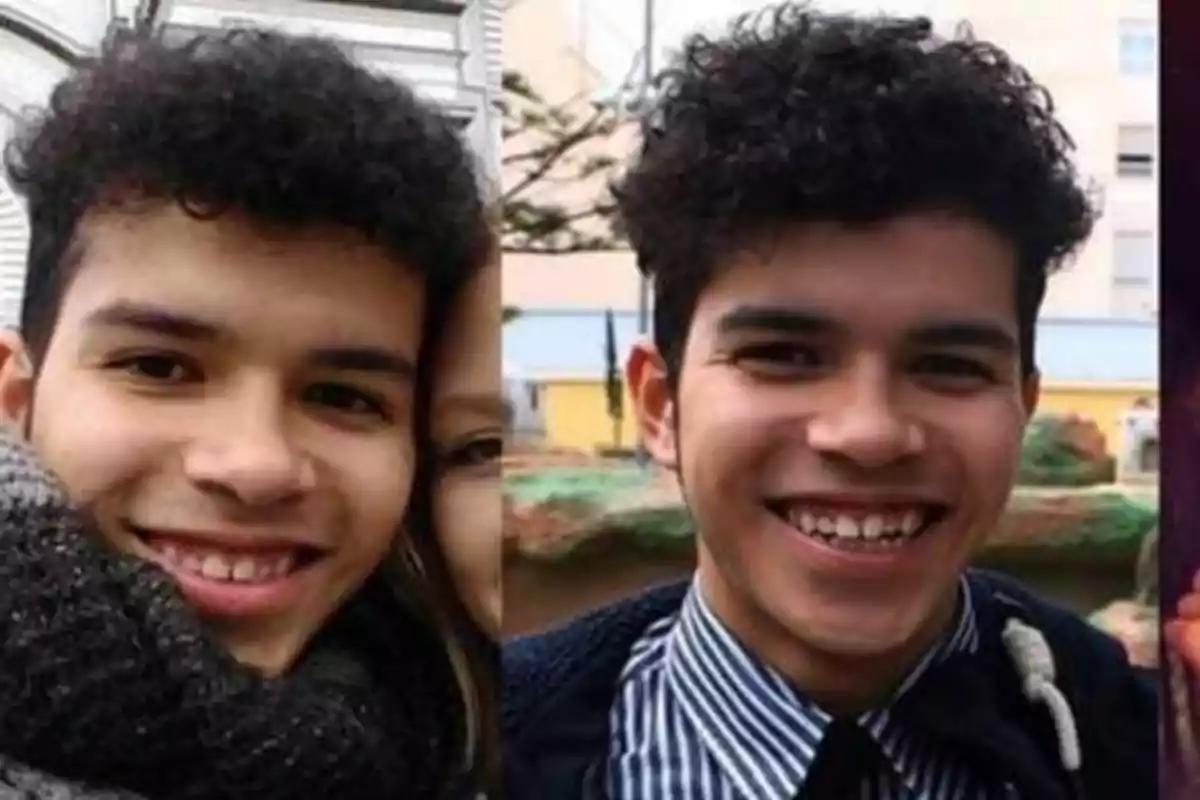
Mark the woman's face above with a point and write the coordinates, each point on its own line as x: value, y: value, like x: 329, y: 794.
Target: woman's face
x: 468, y: 421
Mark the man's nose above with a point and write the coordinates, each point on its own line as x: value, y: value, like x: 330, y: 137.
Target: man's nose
x: 249, y: 453
x: 862, y: 423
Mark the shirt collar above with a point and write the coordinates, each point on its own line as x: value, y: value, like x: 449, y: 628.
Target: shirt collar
x: 762, y: 731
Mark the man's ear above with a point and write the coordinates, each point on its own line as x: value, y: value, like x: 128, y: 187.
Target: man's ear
x: 16, y: 381
x: 646, y: 377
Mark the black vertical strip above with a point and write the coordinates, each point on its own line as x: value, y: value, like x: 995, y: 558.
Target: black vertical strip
x: 1180, y: 294
x: 1179, y: 545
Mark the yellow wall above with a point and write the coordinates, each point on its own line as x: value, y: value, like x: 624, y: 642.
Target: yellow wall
x: 576, y: 413
x: 1103, y: 403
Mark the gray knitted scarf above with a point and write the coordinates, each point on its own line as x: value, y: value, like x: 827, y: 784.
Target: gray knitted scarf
x: 107, y: 681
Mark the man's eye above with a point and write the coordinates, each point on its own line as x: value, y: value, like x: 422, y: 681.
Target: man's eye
x: 345, y: 399
x: 158, y: 368
x: 778, y: 358
x: 956, y: 370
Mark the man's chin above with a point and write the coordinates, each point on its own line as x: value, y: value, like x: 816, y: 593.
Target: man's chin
x: 864, y: 642
x: 874, y: 629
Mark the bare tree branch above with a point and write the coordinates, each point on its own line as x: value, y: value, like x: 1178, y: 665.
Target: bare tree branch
x: 554, y: 150
x: 547, y: 157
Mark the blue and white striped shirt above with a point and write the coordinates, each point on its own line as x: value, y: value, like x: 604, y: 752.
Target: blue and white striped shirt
x: 698, y: 717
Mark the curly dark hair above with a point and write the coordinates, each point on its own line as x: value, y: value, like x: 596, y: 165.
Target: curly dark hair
x: 797, y: 116
x: 286, y: 131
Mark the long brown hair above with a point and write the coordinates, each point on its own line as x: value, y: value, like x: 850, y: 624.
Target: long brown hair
x: 473, y: 655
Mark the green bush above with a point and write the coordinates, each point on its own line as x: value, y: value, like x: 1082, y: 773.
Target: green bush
x: 1111, y: 530
x: 1048, y: 458
x: 601, y: 487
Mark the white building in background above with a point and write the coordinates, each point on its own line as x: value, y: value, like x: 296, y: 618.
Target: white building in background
x: 450, y: 50
x: 1099, y: 59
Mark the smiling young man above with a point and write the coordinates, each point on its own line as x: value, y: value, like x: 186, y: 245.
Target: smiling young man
x: 241, y: 246
x: 849, y: 223
x: 257, y: 451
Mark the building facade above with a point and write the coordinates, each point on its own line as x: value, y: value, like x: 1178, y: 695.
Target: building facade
x: 1099, y: 58
x: 450, y: 50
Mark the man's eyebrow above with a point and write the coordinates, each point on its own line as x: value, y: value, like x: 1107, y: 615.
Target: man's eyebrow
x: 152, y: 319
x: 967, y: 333
x: 166, y: 322
x: 372, y: 360
x: 774, y: 319
x: 948, y: 333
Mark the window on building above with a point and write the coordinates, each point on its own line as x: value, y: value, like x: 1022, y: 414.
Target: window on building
x: 1135, y: 151
x: 1139, y: 47
x: 1135, y: 262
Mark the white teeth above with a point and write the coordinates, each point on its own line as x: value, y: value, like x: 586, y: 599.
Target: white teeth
x: 244, y: 569
x: 880, y: 529
x: 215, y: 567
x: 846, y: 528
x: 224, y: 567
x: 873, y: 527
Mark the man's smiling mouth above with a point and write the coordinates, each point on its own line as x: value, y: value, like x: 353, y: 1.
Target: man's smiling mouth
x: 223, y: 566
x: 860, y: 526
x: 231, y: 576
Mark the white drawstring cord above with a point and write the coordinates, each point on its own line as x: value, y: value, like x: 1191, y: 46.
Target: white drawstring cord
x: 1030, y: 652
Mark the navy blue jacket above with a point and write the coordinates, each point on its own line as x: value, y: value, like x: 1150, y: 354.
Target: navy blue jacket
x: 560, y: 688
